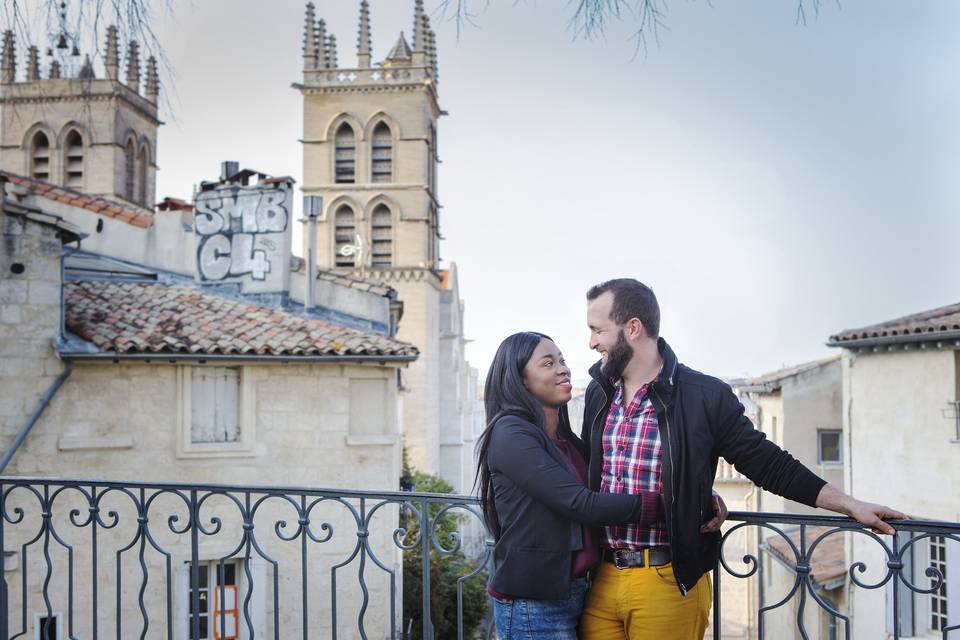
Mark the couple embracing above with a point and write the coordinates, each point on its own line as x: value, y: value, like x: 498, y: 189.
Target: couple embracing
x: 611, y: 535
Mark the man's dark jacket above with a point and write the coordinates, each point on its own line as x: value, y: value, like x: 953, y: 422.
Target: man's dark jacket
x: 700, y: 419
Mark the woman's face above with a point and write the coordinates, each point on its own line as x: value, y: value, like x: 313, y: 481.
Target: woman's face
x: 546, y: 375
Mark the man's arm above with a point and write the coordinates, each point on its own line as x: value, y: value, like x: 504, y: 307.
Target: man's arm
x: 866, y: 513
x: 773, y: 469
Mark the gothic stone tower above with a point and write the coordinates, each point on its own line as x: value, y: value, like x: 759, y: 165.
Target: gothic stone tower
x: 369, y: 150
x: 96, y: 135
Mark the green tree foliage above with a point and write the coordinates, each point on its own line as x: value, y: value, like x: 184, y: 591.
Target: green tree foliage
x: 445, y: 570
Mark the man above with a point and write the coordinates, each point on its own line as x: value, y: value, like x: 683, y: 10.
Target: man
x: 654, y: 424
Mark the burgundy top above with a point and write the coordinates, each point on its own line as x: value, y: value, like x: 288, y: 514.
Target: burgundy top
x: 589, y: 555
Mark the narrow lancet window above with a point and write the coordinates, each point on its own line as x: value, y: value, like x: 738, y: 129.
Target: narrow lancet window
x: 345, y: 152
x: 345, y: 231
x: 381, y: 169
x: 40, y: 156
x: 381, y: 251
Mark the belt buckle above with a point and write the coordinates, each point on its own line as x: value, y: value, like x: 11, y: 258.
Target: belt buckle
x: 617, y: 559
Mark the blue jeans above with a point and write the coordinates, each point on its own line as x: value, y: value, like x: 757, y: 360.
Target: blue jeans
x: 522, y: 619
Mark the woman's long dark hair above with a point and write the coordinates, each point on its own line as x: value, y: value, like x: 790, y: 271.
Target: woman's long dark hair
x: 505, y: 394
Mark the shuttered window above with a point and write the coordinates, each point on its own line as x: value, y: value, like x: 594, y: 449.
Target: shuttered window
x: 382, y: 237
x: 381, y: 169
x: 345, y: 155
x: 73, y: 165
x: 142, y: 160
x: 345, y: 231
x: 215, y: 404
x: 40, y: 156
x: 129, y: 165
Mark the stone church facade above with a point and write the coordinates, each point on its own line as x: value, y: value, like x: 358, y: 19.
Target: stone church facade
x: 370, y: 156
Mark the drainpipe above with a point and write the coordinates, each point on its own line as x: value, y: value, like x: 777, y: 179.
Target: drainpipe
x: 311, y: 208
x: 37, y: 412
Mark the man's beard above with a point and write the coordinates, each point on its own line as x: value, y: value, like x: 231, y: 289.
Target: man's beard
x: 618, y: 357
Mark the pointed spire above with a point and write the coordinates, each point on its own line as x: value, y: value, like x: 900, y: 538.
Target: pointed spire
x: 86, y: 71
x: 320, y: 43
x: 133, y: 67
x: 33, y: 63
x: 418, y: 16
x: 419, y: 57
x: 112, y: 59
x: 8, y: 63
x: 55, y: 69
x: 363, y: 38
x: 310, y: 53
x: 152, y: 88
x: 432, y: 54
x: 332, y: 51
x: 400, y: 51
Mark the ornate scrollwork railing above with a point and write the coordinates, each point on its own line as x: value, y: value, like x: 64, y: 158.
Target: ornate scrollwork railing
x: 92, y: 559
x: 798, y: 542
x: 89, y: 559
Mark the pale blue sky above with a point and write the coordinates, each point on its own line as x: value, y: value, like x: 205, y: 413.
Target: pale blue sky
x: 774, y: 183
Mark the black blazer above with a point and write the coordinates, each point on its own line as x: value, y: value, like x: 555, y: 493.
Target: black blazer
x: 540, y: 505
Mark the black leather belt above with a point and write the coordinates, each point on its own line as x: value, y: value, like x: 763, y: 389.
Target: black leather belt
x: 649, y: 557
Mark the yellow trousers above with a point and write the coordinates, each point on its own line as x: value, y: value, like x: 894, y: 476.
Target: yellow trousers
x: 644, y: 603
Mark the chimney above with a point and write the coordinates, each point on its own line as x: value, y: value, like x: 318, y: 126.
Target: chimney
x: 228, y: 169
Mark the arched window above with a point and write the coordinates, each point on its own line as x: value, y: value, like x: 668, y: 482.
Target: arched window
x: 40, y: 156
x: 142, y: 159
x: 73, y: 160
x: 345, y: 233
x: 129, y: 164
x: 345, y: 152
x: 381, y: 168
x: 381, y: 250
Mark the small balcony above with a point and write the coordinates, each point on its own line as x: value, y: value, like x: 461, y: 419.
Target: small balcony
x: 90, y: 559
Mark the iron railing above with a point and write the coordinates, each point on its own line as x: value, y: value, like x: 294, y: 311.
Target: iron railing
x: 92, y: 559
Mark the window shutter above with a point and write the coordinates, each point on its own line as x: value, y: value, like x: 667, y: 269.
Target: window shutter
x: 215, y: 404
x: 906, y: 612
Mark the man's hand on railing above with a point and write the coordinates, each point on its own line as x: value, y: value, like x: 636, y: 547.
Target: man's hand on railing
x: 866, y: 513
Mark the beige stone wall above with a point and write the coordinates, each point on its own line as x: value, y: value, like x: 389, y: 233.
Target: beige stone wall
x: 29, y: 319
x: 901, y: 452
x: 310, y: 427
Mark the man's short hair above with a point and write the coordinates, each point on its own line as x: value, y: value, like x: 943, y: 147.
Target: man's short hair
x: 631, y: 299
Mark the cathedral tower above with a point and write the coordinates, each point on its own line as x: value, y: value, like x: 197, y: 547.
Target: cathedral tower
x: 73, y: 129
x: 370, y: 153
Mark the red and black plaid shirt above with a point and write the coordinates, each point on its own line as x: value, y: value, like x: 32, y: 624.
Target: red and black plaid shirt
x: 632, y: 463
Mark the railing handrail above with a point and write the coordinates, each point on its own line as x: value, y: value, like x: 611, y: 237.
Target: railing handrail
x: 246, y: 488
x: 769, y: 517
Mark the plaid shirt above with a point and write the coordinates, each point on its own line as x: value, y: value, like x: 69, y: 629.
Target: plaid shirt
x: 631, y: 463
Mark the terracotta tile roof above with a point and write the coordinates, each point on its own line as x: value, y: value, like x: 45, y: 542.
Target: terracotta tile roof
x: 826, y: 564
x: 138, y: 317
x: 774, y: 378
x: 174, y: 204
x: 927, y: 324
x: 345, y: 278
x: 101, y: 206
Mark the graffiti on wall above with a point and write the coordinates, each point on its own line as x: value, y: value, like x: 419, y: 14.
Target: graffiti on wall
x: 242, y: 232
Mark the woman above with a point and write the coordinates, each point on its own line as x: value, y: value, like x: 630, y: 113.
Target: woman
x: 531, y: 476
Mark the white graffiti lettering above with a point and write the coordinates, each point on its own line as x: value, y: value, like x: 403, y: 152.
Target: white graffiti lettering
x: 241, y: 232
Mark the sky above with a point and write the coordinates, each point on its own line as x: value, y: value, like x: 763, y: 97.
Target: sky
x: 773, y: 182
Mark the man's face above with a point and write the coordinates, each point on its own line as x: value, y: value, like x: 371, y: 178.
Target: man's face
x: 606, y: 337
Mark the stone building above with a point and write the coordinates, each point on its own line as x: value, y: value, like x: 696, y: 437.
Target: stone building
x: 901, y: 430
x: 799, y: 409
x: 97, y: 135
x: 370, y: 152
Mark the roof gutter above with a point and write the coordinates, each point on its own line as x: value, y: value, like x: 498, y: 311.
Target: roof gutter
x: 910, y: 338
x: 37, y: 412
x: 201, y: 357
